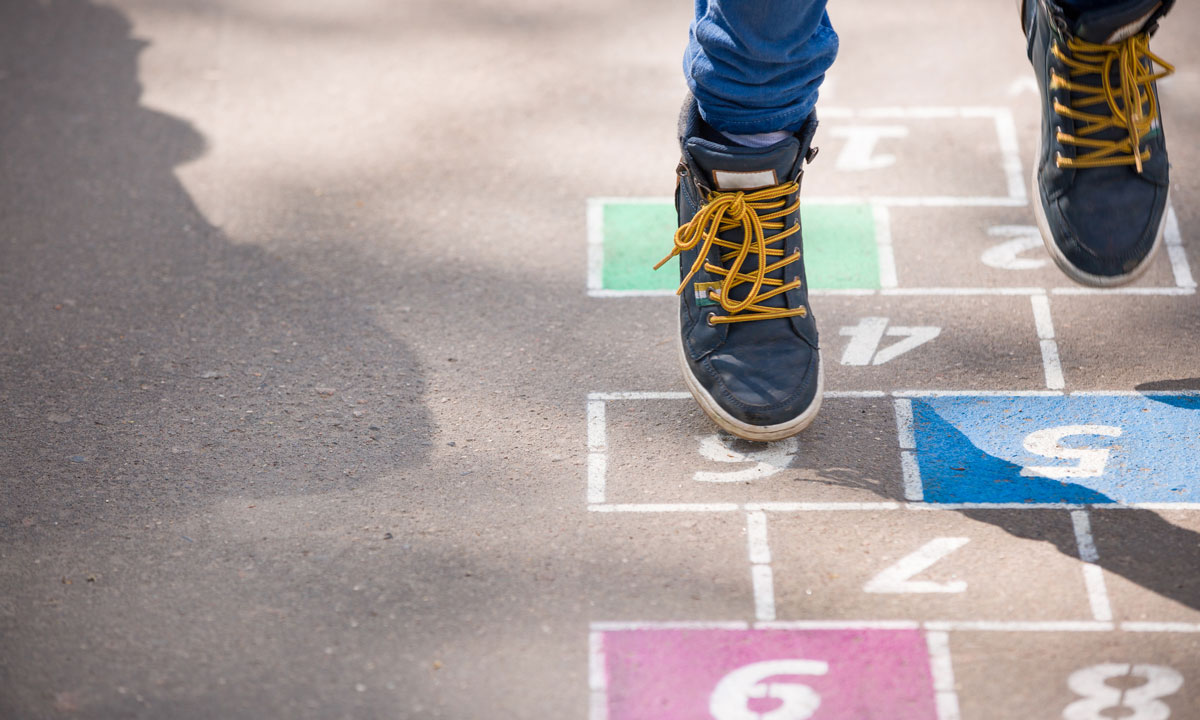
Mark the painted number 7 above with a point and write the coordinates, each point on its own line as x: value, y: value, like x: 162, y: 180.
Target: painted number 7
x: 1048, y: 443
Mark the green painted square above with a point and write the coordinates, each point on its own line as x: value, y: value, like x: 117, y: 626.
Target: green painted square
x: 839, y: 246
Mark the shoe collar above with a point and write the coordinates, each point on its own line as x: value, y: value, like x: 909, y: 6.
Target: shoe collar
x: 1107, y: 25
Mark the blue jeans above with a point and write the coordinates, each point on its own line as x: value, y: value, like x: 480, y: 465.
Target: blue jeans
x: 755, y: 65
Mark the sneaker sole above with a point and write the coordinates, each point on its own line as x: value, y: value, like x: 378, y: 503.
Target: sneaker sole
x: 746, y: 431
x: 1079, y: 276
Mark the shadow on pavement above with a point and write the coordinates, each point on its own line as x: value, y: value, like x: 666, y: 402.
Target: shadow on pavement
x: 169, y: 400
x: 143, y: 349
x: 1139, y: 545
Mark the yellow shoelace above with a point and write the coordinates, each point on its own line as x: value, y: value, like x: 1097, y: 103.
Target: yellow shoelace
x: 754, y: 213
x: 1132, y: 106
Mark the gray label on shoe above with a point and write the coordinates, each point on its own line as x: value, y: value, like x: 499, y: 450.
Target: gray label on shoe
x: 735, y: 180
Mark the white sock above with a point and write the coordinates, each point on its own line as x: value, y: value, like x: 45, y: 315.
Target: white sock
x: 759, y: 140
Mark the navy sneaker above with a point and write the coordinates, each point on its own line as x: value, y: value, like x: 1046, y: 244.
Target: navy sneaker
x: 1101, y: 172
x: 748, y: 342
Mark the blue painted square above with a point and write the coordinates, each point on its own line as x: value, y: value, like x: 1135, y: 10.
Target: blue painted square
x: 1069, y: 449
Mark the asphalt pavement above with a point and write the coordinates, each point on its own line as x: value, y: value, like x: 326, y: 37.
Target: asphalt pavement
x: 334, y: 382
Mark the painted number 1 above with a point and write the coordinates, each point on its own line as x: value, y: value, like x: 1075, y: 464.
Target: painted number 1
x: 1138, y: 703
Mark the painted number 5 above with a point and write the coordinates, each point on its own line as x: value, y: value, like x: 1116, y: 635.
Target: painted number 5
x: 731, y: 698
x: 1048, y: 442
x: 1100, y: 698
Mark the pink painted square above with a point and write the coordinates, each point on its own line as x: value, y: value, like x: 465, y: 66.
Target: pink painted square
x: 768, y: 675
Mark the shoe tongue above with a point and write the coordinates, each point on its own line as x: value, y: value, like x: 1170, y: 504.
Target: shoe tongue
x: 1113, y: 24
x: 740, y: 168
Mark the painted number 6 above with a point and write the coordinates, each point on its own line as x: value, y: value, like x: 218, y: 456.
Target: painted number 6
x: 1048, y: 443
x: 1143, y: 700
x: 731, y: 698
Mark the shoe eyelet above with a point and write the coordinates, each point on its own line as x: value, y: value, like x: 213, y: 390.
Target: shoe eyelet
x: 709, y: 320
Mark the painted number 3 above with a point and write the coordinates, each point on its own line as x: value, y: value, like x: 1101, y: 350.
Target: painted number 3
x: 1100, y: 698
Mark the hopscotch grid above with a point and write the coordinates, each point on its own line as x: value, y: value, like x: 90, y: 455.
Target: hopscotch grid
x: 881, y: 506
x: 950, y: 626
x: 936, y: 632
x: 935, y: 292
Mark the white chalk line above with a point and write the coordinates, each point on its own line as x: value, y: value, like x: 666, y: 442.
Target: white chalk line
x: 904, y: 423
x: 756, y: 537
x: 881, y: 506
x: 1006, y: 134
x: 886, y: 255
x: 800, y: 507
x: 935, y: 292
x: 597, y: 462
x: 760, y: 565
x: 915, y: 393
x: 764, y: 592
x: 941, y: 667
x: 838, y: 625
x: 1051, y: 366
x: 945, y: 201
x: 623, y: 626
x: 1019, y: 626
x: 1175, y: 253
x: 914, y: 486
x: 597, y: 677
x: 1014, y: 626
x: 595, y: 244
x: 1093, y: 574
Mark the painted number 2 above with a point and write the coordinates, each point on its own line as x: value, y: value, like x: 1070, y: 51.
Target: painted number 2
x: 1100, y: 698
x: 1048, y: 442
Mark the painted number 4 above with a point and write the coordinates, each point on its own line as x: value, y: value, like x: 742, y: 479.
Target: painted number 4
x: 865, y: 337
x: 1141, y: 702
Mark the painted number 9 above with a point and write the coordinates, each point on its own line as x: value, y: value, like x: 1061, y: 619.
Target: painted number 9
x: 1048, y: 442
x: 731, y: 698
x: 1099, y: 698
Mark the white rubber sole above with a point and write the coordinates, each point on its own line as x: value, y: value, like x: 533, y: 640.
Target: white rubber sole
x: 746, y: 431
x: 1079, y: 276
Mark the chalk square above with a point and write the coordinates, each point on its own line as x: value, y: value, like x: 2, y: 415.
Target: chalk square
x: 1063, y: 449
x: 976, y: 565
x: 1117, y: 342
x: 830, y: 674
x: 668, y: 451
x: 1150, y: 559
x: 1023, y: 675
x: 994, y: 247
x: 981, y: 342
x: 886, y: 152
x: 839, y: 245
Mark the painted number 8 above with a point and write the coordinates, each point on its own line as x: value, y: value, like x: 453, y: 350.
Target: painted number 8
x: 1143, y: 700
